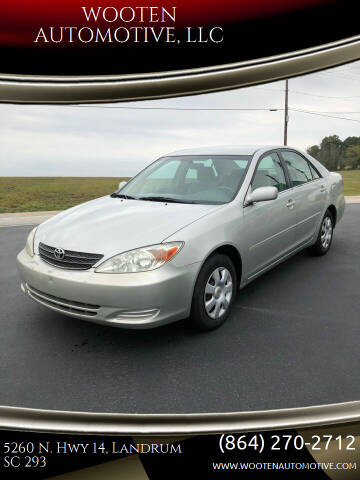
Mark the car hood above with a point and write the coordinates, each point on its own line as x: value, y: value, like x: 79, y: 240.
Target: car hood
x: 109, y: 226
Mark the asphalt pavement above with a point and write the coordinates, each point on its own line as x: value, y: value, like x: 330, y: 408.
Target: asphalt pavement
x: 293, y: 340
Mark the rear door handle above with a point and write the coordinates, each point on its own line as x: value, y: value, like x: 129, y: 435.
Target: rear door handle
x: 290, y: 203
x: 322, y: 188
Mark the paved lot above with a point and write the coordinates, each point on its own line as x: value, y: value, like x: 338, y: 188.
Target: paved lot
x: 24, y: 218
x: 293, y: 340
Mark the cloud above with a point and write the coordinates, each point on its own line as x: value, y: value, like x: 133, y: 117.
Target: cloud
x: 39, y: 140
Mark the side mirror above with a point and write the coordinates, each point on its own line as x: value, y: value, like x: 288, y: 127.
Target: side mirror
x: 122, y: 184
x: 261, y: 194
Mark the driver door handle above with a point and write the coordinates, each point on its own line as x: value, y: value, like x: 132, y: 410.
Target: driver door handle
x: 290, y: 203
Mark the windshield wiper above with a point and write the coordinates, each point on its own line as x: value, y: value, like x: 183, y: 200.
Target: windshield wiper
x: 165, y: 199
x: 122, y: 195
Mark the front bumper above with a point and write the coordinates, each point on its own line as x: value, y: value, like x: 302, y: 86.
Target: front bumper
x: 131, y: 300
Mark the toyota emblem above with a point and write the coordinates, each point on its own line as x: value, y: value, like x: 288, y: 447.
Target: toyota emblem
x: 59, y: 253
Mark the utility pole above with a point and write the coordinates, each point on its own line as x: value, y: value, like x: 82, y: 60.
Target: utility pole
x: 286, y: 117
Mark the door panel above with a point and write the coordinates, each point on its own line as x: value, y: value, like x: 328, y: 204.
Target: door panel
x: 309, y: 194
x: 310, y: 201
x: 269, y: 226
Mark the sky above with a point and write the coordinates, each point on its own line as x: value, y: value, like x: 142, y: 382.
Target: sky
x: 97, y: 140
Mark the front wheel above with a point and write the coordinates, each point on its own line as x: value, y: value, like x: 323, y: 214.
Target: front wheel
x: 214, y: 293
x: 324, y: 239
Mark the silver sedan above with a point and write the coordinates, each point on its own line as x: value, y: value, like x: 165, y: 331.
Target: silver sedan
x: 179, y: 239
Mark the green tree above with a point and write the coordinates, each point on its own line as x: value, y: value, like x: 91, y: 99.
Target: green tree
x: 332, y: 152
x: 350, y: 141
x: 314, y: 151
x: 352, y: 157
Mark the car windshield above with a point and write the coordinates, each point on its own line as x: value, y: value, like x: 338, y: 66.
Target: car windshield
x: 189, y: 179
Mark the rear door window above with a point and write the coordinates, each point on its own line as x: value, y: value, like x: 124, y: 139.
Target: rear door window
x: 298, y: 168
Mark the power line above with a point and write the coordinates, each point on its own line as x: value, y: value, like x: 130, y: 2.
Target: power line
x: 235, y: 109
x: 323, y: 96
x: 344, y: 75
x: 332, y: 111
x: 310, y: 94
x: 271, y: 109
x: 205, y: 109
x: 328, y: 114
x: 323, y: 115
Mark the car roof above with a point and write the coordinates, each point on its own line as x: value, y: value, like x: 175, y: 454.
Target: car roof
x: 224, y: 150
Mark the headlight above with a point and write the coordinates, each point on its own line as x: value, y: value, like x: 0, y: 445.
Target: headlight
x: 141, y: 260
x: 29, y: 247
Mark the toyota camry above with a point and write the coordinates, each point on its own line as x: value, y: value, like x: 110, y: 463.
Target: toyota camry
x: 183, y: 236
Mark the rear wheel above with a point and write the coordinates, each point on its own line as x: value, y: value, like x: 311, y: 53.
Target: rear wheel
x: 214, y: 293
x: 324, y: 239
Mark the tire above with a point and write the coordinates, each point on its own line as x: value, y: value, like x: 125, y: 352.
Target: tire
x: 211, y: 308
x: 325, y: 236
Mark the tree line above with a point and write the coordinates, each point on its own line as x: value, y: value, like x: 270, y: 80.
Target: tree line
x: 337, y: 154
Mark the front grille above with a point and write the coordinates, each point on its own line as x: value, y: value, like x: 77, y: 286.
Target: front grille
x: 66, y: 306
x: 69, y: 259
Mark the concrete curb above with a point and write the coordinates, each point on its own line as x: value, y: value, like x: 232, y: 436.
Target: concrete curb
x: 35, y: 218
x: 353, y: 199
